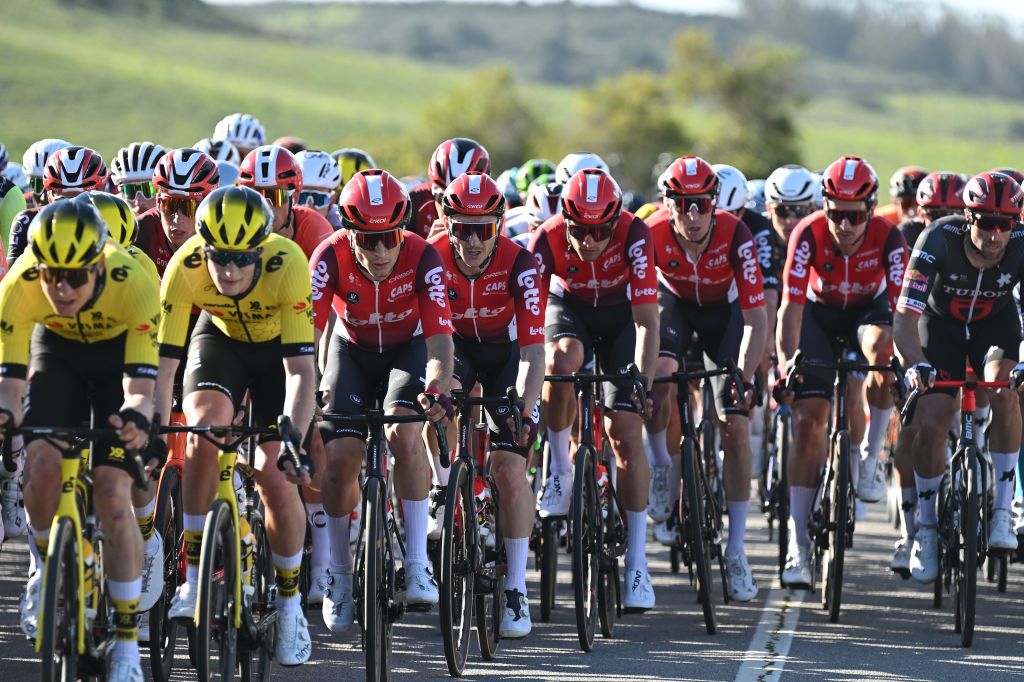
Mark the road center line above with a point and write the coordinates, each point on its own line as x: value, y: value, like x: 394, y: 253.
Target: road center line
x: 769, y: 647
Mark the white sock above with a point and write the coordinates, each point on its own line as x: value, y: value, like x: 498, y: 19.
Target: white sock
x: 517, y: 551
x: 927, y: 499
x: 800, y: 501
x: 737, y: 527
x: 35, y: 562
x: 153, y: 542
x: 193, y: 522
x: 636, y: 541
x: 981, y: 413
x: 558, y: 441
x: 317, y: 518
x: 440, y: 473
x: 909, y: 507
x: 282, y: 562
x: 125, y: 591
x: 415, y: 513
x: 659, y: 448
x: 341, y: 551
x: 878, y: 427
x: 1005, y: 465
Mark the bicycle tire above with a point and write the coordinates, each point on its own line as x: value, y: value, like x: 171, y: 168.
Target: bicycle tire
x: 549, y: 548
x: 711, y: 466
x: 256, y: 663
x: 489, y: 609
x: 376, y: 597
x: 58, y: 607
x: 457, y: 577
x: 1001, y: 571
x: 607, y: 600
x: 839, y: 513
x: 163, y: 632
x: 781, y: 489
x: 585, y: 513
x: 694, y: 519
x: 216, y: 635
x: 306, y: 567
x: 967, y: 582
x: 944, y: 563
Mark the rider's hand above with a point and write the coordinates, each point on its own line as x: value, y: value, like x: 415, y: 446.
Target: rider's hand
x: 7, y: 420
x: 300, y: 478
x: 782, y: 394
x: 1017, y: 377
x: 154, y: 455
x: 436, y: 405
x: 132, y: 428
x: 437, y: 228
x: 530, y: 429
x: 920, y: 377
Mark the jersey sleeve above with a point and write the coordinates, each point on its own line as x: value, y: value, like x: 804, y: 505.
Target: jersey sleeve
x: 796, y: 273
x: 16, y: 325
x: 922, y: 271
x: 295, y: 298
x: 765, y: 260
x: 323, y: 271
x: 643, y: 283
x: 435, y: 314
x: 19, y: 235
x: 525, y: 285
x: 141, y: 305
x: 176, y: 306
x: 147, y: 264
x: 315, y: 230
x: 896, y: 264
x: 745, y: 268
x: 540, y: 247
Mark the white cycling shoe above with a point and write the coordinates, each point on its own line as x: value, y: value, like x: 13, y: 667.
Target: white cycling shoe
x: 740, y: 578
x: 557, y: 496
x: 1001, y: 534
x: 639, y: 590
x: 293, y: 646
x: 797, y: 572
x: 659, y: 505
x: 338, y: 607
x: 924, y: 554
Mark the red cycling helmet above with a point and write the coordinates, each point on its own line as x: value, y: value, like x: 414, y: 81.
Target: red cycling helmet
x: 74, y: 168
x: 942, y: 191
x: 689, y: 175
x: 994, y: 193
x: 473, y: 193
x: 291, y: 143
x: 374, y: 201
x: 1012, y: 172
x: 905, y: 180
x: 270, y: 166
x: 454, y: 157
x: 591, y: 197
x: 850, y: 178
x: 186, y: 173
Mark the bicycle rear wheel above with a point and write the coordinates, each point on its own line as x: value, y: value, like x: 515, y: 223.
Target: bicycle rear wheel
x: 693, y: 513
x: 780, y: 489
x: 457, y: 576
x: 586, y: 515
x: 489, y: 609
x: 549, y: 548
x: 376, y: 584
x: 838, y: 522
x: 967, y: 580
x: 216, y: 635
x: 163, y: 632
x: 255, y: 661
x: 58, y: 609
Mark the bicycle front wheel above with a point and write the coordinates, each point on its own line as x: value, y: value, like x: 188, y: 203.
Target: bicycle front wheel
x: 586, y: 515
x: 216, y: 635
x: 692, y: 510
x: 58, y: 609
x: 255, y: 656
x: 839, y: 519
x: 780, y: 488
x: 457, y: 576
x: 376, y: 584
x: 549, y: 548
x: 163, y: 632
x: 967, y: 580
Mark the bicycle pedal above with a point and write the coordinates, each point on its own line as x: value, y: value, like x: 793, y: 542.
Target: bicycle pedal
x: 415, y: 608
x: 902, y: 572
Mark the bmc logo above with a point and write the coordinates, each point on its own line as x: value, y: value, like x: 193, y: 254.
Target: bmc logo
x: 531, y: 295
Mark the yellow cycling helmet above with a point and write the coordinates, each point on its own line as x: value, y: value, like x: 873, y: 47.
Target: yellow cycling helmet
x: 121, y: 224
x: 351, y: 161
x: 234, y: 219
x: 67, y: 234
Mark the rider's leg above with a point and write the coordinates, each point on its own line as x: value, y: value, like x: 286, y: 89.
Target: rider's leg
x: 515, y: 510
x: 806, y: 459
x: 876, y: 344
x: 286, y: 524
x: 1004, y: 436
x: 558, y: 403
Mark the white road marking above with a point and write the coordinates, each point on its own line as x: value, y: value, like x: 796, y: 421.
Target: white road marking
x: 766, y: 657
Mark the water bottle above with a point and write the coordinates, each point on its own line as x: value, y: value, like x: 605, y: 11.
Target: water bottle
x: 484, y: 509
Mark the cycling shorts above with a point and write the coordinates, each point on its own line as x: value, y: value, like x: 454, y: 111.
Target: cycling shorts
x: 823, y: 333
x: 69, y: 381
x: 949, y: 346
x: 496, y: 367
x: 363, y: 377
x: 607, y: 329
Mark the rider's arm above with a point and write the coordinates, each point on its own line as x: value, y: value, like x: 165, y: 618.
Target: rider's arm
x: 643, y: 295
x: 16, y: 325
x: 771, y: 309
x: 526, y: 287
x: 299, y: 390
x: 436, y: 320
x: 142, y: 320
x: 795, y: 276
x: 647, y: 321
x: 176, y: 307
x: 755, y: 325
x: 896, y: 263
x: 747, y: 275
x: 918, y: 280
x: 12, y: 391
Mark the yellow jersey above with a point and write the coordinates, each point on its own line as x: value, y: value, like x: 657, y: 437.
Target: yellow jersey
x: 147, y: 264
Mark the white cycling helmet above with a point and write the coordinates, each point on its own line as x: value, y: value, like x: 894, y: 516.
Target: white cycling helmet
x: 320, y: 172
x: 732, y: 188
x: 819, y: 197
x: 575, y: 162
x: 136, y: 162
x: 4, y: 158
x: 219, y: 150
x: 15, y: 174
x: 544, y: 201
x: 790, y: 184
x: 241, y: 130
x: 228, y: 173
x: 33, y: 163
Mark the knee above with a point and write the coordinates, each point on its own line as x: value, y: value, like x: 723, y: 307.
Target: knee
x: 879, y: 349
x: 625, y: 433
x: 112, y: 500
x: 405, y: 442
x: 509, y: 479
x: 564, y: 359
x: 1005, y: 402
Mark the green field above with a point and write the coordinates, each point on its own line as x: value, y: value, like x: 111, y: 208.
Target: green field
x: 107, y: 79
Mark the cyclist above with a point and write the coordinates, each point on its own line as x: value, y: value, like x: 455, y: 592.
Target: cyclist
x: 275, y: 174
x: 957, y: 307
x: 532, y: 172
x: 33, y: 163
x: 543, y: 202
x: 255, y: 335
x: 573, y: 163
x: 219, y: 150
x: 132, y: 174
x: 498, y: 314
x: 709, y: 283
x: 600, y: 263
x: 69, y: 171
x: 105, y: 359
x: 12, y: 203
x: 321, y: 185
x: 903, y: 190
x: 293, y: 144
x: 350, y: 161
x: 853, y: 256
x: 451, y: 159
x: 938, y: 195
x: 243, y: 131
x: 387, y: 286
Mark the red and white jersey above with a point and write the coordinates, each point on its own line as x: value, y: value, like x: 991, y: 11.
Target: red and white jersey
x: 311, y: 228
x: 725, y: 271
x: 839, y: 281
x: 624, y: 272
x: 378, y: 316
x: 503, y: 303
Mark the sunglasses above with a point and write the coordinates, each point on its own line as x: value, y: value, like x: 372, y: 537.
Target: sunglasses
x: 275, y: 196
x: 993, y: 222
x: 224, y: 258
x: 367, y: 241
x: 598, y: 233
x: 314, y: 199
x: 683, y: 203
x: 465, y: 231
x: 854, y: 216
x: 130, y: 190
x: 37, y: 184
x: 784, y: 211
x: 183, y: 205
x: 74, y: 277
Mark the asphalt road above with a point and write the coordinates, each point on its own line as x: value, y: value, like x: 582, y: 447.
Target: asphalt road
x: 888, y: 631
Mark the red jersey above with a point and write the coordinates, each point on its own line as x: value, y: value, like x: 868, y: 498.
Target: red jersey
x: 727, y: 269
x: 503, y: 303
x: 424, y: 211
x: 844, y: 281
x: 625, y: 271
x: 379, y: 316
x: 152, y: 240
x: 311, y: 228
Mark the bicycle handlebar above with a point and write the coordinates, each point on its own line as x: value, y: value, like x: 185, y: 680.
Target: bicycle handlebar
x: 466, y: 401
x: 580, y: 378
x: 378, y: 418
x: 907, y: 411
